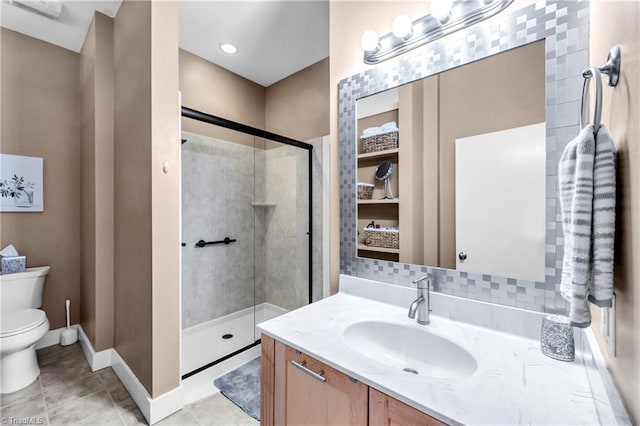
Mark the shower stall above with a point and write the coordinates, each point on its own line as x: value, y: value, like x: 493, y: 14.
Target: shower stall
x: 246, y: 234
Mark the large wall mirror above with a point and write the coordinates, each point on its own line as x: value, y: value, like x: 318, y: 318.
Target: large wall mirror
x: 467, y: 177
x: 449, y: 157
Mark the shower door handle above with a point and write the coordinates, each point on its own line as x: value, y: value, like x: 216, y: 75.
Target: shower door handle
x: 203, y: 243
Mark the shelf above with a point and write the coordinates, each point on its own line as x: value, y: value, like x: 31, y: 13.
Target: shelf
x: 387, y: 201
x: 263, y: 204
x: 379, y: 154
x: 378, y: 249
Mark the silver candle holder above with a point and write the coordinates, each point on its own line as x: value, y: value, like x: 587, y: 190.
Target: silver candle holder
x: 557, y: 338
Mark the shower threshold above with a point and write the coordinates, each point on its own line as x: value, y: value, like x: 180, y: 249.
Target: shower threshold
x: 219, y: 360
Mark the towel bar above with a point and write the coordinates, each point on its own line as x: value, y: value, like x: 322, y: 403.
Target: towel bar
x: 612, y: 69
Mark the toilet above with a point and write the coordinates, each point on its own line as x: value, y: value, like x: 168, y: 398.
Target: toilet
x: 21, y: 326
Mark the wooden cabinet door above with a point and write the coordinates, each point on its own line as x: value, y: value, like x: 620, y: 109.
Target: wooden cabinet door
x: 387, y: 411
x: 308, y: 392
x: 267, y: 380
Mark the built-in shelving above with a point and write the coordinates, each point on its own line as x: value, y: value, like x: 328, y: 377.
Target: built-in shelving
x: 379, y: 154
x: 378, y: 249
x: 385, y: 201
x: 383, y: 212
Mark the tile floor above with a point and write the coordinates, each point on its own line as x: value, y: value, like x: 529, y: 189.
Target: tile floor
x: 68, y: 393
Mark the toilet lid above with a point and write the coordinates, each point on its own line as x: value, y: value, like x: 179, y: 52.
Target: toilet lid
x: 18, y: 322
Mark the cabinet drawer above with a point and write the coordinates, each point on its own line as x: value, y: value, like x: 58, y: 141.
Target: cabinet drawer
x: 309, y: 392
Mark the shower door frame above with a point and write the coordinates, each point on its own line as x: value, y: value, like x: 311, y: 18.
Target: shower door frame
x: 253, y: 131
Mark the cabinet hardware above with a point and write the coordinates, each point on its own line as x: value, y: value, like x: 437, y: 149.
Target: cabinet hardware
x: 317, y: 376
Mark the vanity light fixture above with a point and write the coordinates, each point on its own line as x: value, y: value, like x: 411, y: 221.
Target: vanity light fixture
x: 446, y: 17
x: 402, y: 27
x: 441, y: 10
x: 228, y: 48
x: 369, y: 41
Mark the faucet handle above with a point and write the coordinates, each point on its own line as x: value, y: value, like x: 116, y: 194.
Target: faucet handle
x: 422, y: 283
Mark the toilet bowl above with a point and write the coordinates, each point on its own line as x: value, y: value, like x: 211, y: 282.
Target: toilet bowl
x: 21, y: 326
x: 20, y: 332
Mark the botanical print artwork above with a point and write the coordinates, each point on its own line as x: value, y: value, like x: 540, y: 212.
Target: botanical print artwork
x: 21, y: 187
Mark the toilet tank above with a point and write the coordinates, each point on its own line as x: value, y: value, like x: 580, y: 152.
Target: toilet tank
x: 22, y: 290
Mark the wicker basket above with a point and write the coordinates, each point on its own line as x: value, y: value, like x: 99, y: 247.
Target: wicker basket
x: 365, y: 191
x: 385, y: 238
x: 379, y: 142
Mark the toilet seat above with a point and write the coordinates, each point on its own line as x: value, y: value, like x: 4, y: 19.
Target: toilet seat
x: 21, y: 321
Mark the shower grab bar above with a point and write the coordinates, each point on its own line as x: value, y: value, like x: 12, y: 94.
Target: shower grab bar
x: 226, y: 240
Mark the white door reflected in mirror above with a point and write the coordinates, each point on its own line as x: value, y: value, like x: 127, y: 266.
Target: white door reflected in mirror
x: 500, y: 221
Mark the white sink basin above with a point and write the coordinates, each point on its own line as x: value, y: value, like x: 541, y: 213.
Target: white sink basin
x: 411, y: 349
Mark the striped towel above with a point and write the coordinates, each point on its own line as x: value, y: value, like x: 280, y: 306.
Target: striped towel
x: 604, y: 219
x: 576, y: 202
x: 587, y: 203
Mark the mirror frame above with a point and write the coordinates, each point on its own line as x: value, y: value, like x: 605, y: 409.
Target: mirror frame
x: 564, y: 26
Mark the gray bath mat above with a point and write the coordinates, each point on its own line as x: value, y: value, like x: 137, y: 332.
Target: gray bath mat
x: 242, y: 387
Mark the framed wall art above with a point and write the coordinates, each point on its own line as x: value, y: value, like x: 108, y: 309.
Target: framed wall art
x: 21, y: 186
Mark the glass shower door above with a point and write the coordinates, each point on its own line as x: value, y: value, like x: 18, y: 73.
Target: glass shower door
x: 246, y: 232
x: 282, y: 225
x: 218, y: 234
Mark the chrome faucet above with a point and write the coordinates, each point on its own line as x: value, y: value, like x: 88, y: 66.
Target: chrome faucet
x: 422, y: 305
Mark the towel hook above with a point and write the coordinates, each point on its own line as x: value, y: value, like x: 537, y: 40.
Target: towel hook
x: 592, y: 73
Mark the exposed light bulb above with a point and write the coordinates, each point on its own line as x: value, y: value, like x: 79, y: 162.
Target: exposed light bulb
x: 369, y: 41
x: 440, y: 9
x: 228, y: 48
x: 401, y: 26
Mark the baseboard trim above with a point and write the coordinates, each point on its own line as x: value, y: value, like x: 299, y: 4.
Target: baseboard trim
x: 97, y: 360
x: 153, y: 409
x: 52, y: 337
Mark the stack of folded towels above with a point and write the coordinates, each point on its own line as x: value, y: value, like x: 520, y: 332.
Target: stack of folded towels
x: 391, y: 126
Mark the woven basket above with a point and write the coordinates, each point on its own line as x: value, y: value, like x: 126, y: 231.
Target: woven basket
x: 382, y: 238
x: 381, y: 142
x: 365, y: 191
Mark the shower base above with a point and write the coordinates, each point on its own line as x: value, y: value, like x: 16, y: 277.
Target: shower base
x: 204, y: 343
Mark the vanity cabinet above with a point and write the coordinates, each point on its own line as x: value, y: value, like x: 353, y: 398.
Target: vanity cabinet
x: 297, y: 389
x: 387, y: 411
x: 308, y: 392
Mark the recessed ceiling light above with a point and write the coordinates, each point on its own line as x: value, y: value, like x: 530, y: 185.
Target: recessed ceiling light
x: 228, y: 48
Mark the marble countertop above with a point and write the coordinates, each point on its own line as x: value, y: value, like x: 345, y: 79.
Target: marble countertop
x: 514, y: 382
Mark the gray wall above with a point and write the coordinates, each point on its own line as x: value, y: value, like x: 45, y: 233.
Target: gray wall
x: 217, y: 192
x: 286, y: 239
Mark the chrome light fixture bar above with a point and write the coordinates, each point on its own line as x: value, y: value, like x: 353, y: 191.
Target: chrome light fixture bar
x: 427, y: 28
